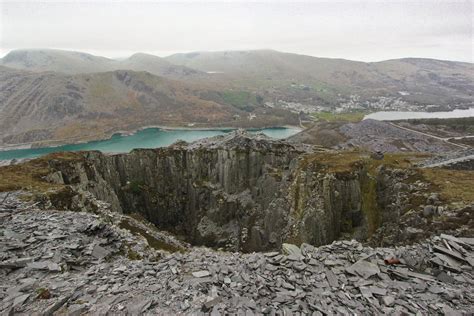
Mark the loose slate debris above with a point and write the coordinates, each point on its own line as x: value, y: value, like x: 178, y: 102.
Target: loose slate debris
x: 79, y: 258
x: 364, y: 269
x: 201, y: 274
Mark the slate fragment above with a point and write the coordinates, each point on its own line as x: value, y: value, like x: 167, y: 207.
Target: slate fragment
x: 364, y: 269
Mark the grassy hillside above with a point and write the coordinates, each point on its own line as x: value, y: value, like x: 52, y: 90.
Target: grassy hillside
x: 423, y: 81
x: 52, y: 106
x: 280, y: 76
x: 53, y: 94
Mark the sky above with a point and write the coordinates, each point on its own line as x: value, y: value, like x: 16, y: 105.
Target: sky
x: 369, y: 30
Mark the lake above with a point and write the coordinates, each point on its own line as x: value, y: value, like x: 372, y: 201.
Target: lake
x: 147, y: 138
x: 395, y: 115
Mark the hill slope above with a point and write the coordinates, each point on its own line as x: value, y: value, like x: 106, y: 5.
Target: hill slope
x: 326, y: 80
x: 53, y: 94
x: 409, y: 83
x: 53, y: 106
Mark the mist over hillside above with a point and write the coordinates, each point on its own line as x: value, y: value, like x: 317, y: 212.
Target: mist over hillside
x: 70, y: 62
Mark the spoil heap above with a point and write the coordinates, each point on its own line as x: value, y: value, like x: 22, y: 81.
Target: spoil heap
x: 55, y: 262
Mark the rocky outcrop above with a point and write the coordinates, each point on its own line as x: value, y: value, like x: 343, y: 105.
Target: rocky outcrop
x: 324, y: 205
x: 214, y: 193
x: 237, y: 191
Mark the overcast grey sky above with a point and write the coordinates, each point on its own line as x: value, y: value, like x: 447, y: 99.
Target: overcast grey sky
x: 361, y: 30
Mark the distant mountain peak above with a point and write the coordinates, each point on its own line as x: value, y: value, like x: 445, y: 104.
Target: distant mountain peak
x: 72, y: 62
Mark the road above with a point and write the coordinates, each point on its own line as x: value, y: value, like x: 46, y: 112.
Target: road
x: 450, y: 161
x: 432, y: 136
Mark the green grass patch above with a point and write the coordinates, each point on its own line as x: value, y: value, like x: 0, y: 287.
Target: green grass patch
x: 339, y: 117
x: 453, y: 185
x: 31, y: 175
x: 242, y: 100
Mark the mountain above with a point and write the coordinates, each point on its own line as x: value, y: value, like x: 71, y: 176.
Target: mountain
x: 57, y: 95
x: 332, y: 81
x: 46, y: 106
x: 56, y: 60
x: 69, y: 62
x: 157, y: 65
x: 276, y: 76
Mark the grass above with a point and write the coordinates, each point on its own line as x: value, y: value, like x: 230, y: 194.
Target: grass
x: 336, y: 162
x: 339, y: 117
x: 347, y: 161
x: 453, y: 185
x: 240, y: 99
x: 31, y: 175
x: 397, y: 160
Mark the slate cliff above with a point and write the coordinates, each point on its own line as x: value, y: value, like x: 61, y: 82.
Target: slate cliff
x: 236, y: 191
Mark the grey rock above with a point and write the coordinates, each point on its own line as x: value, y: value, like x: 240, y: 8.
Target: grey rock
x: 45, y: 265
x: 388, y: 300
x: 55, y: 306
x: 201, y: 274
x: 332, y: 279
x: 99, y: 252
x: 211, y: 303
x: 363, y: 268
x: 76, y: 309
x: 429, y: 211
x: 291, y: 250
x: 378, y: 291
x: 16, y: 263
x: 323, y: 280
x: 18, y: 301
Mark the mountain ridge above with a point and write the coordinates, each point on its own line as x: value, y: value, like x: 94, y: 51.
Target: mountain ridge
x: 211, y: 89
x: 52, y: 106
x: 74, y: 62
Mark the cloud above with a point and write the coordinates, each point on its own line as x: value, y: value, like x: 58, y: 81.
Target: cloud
x: 361, y: 30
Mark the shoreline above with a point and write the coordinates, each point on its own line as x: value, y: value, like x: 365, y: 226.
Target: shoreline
x: 124, y: 133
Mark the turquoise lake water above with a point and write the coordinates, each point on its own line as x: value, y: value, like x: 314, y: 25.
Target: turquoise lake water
x: 147, y: 138
x: 399, y: 115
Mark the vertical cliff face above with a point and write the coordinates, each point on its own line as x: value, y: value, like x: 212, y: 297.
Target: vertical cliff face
x: 211, y: 193
x: 236, y: 191
x: 345, y: 194
x: 323, y: 205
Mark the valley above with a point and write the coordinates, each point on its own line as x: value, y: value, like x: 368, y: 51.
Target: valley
x: 52, y: 97
x: 241, y: 158
x: 239, y: 182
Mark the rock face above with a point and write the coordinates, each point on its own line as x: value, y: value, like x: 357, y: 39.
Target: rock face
x: 236, y: 191
x: 217, y: 192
